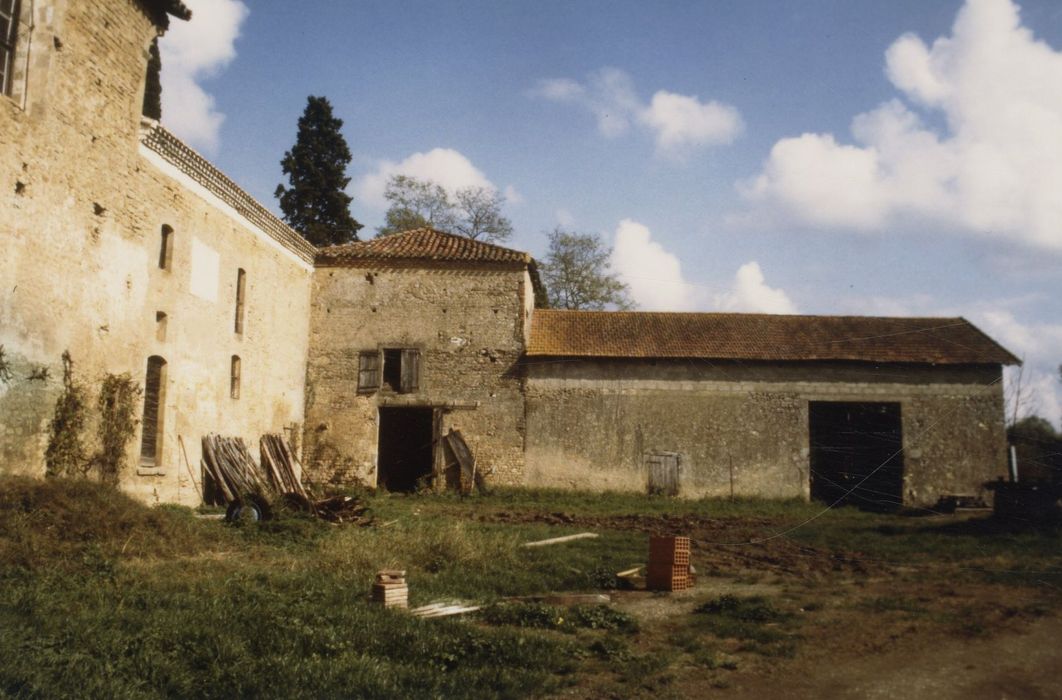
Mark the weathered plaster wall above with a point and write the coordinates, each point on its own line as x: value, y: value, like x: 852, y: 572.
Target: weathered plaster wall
x: 469, y: 327
x: 81, y: 211
x: 590, y: 424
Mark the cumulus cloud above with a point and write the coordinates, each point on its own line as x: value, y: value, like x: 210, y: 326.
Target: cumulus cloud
x: 657, y: 283
x: 751, y: 293
x: 653, y: 274
x: 994, y: 168
x: 191, y: 53
x: 677, y: 122
x: 445, y: 166
x: 1037, y: 344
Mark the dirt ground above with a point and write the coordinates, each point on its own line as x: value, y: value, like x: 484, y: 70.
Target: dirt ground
x: 860, y: 627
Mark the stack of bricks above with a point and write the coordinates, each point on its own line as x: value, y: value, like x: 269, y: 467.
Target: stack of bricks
x: 669, y: 564
x: 390, y: 589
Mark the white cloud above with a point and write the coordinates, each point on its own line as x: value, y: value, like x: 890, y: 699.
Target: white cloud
x: 1038, y: 345
x: 682, y: 122
x: 191, y: 52
x: 653, y: 274
x: 657, y: 283
x: 444, y: 166
x: 678, y: 122
x: 994, y: 169
x: 512, y: 195
x: 751, y: 293
x: 564, y: 218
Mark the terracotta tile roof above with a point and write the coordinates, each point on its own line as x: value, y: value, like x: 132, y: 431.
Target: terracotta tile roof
x: 420, y: 244
x: 729, y: 336
x: 178, y: 154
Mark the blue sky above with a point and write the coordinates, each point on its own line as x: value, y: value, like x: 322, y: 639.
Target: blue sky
x: 822, y: 156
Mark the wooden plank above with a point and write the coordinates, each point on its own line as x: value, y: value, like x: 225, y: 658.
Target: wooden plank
x: 456, y: 442
x: 558, y: 540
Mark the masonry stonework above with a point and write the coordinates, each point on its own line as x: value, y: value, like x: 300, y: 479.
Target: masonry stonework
x: 591, y: 424
x: 469, y: 325
x: 82, y: 207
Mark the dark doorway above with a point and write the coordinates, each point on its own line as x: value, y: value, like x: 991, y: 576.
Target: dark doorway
x: 406, y: 450
x: 856, y: 454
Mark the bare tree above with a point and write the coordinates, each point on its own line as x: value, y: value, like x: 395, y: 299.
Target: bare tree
x: 1018, y: 398
x: 577, y: 275
x: 474, y: 212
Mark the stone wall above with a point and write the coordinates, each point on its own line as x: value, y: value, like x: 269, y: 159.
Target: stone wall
x: 591, y: 424
x: 469, y: 326
x: 82, y: 206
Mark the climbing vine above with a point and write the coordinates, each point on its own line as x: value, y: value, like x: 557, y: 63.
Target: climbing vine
x: 65, y: 455
x: 5, y: 368
x: 117, y: 402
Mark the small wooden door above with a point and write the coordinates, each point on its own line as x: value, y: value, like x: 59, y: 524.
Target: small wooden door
x: 664, y: 473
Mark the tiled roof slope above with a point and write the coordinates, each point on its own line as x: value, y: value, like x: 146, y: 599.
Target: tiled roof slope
x: 729, y: 336
x: 160, y: 10
x: 195, y: 166
x: 422, y: 244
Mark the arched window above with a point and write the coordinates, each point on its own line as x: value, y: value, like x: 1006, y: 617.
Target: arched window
x: 234, y: 377
x: 241, y: 289
x: 154, y: 398
x: 166, y: 248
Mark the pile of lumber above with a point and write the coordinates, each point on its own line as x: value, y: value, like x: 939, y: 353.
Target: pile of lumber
x: 390, y: 589
x: 276, y: 480
x: 279, y: 464
x: 230, y: 465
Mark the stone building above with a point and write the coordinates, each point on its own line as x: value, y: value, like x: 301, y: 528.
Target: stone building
x: 133, y: 254
x: 896, y: 410
x: 128, y: 250
x: 412, y: 335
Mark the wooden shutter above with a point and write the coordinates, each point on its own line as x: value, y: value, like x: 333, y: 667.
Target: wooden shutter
x: 410, y: 371
x: 369, y: 371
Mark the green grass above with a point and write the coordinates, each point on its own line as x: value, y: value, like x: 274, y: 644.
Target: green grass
x: 101, y: 594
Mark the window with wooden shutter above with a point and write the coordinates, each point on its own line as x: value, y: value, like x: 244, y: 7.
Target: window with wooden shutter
x: 369, y: 371
x: 151, y: 437
x: 410, y: 381
x: 166, y: 247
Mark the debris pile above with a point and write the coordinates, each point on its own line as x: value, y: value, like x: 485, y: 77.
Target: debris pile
x: 252, y: 491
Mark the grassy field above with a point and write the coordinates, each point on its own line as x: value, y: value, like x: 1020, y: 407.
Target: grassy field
x: 103, y: 597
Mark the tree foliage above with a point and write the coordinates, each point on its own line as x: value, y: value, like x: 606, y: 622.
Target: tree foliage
x: 577, y: 276
x: 153, y: 86
x: 474, y: 212
x: 316, y: 204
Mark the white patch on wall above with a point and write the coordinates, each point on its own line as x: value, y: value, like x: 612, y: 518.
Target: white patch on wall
x: 205, y: 270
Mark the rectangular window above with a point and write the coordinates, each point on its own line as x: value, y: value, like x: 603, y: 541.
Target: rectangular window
x: 9, y: 17
x: 234, y: 377
x: 368, y: 371
x: 154, y: 390
x: 241, y: 285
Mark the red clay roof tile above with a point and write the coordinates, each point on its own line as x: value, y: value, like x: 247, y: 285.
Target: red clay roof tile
x: 732, y: 336
x: 420, y: 245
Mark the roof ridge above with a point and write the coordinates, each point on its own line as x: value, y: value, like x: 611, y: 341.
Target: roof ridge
x: 750, y: 314
x: 180, y: 155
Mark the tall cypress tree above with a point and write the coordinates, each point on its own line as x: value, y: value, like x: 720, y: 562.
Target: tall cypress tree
x: 315, y: 204
x: 153, y: 86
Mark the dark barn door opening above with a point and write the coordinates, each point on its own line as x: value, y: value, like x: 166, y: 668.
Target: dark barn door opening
x: 406, y: 452
x: 856, y: 454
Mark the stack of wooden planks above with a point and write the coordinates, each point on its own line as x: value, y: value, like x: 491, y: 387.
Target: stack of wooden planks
x: 279, y: 465
x: 390, y: 589
x: 230, y: 465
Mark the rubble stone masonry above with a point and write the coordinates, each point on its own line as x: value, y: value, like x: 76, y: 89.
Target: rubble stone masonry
x: 82, y: 207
